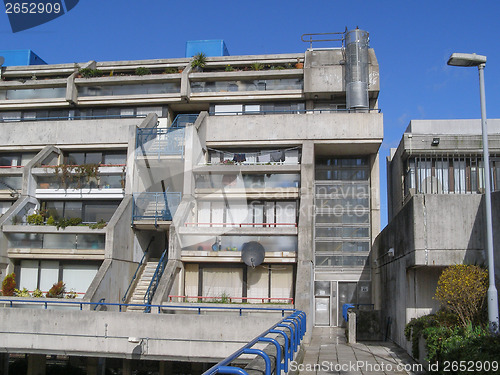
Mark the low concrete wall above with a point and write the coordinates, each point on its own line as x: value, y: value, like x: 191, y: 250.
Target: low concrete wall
x: 183, y: 337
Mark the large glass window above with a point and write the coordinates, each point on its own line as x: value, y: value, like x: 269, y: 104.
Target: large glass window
x: 137, y: 89
x: 251, y: 181
x: 96, y: 157
x: 447, y: 174
x: 342, y: 212
x: 89, y: 212
x: 40, y: 93
x: 248, y: 85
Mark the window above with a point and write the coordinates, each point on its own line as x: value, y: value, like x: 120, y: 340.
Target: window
x: 446, y: 174
x: 89, y: 212
x: 342, y: 212
x: 96, y: 157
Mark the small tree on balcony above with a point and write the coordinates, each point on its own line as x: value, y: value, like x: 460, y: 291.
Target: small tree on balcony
x: 462, y: 289
x: 9, y: 285
x: 57, y: 290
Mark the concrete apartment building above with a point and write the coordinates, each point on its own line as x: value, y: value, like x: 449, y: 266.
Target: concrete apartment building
x: 254, y: 179
x: 436, y: 215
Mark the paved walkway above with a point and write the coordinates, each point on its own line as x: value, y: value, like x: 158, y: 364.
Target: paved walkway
x: 329, y: 353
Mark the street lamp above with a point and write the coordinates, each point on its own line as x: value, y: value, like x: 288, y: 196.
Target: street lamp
x: 471, y: 59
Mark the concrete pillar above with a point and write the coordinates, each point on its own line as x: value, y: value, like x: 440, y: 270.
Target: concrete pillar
x: 305, y: 272
x: 127, y: 367
x: 36, y: 364
x: 351, y: 339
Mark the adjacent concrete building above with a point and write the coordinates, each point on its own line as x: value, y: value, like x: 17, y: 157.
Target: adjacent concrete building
x: 195, y: 174
x: 436, y: 215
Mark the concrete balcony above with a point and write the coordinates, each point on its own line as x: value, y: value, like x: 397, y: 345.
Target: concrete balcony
x: 339, y: 128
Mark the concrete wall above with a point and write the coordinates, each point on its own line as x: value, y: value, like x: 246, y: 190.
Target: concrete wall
x: 275, y: 128
x: 188, y: 337
x: 81, y: 132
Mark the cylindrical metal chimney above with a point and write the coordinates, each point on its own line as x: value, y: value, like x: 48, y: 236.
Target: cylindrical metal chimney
x: 357, y: 69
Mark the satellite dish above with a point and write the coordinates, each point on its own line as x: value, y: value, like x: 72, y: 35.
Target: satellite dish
x: 2, y: 60
x: 252, y: 253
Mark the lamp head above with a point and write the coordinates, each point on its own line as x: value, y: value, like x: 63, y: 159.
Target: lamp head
x: 466, y: 59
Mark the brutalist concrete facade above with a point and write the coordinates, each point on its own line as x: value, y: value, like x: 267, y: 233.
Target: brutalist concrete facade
x: 436, y: 216
x: 251, y: 149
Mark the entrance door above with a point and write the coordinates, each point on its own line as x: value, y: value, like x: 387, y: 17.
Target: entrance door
x: 322, y: 311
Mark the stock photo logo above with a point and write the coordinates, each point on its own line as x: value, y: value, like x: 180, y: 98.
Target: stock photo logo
x: 24, y: 15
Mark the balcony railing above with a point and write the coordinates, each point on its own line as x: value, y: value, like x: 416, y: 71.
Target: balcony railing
x: 63, y: 241
x: 155, y: 206
x: 182, y: 120
x: 160, y: 142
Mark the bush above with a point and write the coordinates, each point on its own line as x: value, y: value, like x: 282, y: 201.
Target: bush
x: 9, y: 285
x: 57, y: 290
x: 474, y: 346
x: 22, y: 293
x: 89, y: 73
x: 462, y: 289
x: 35, y: 219
x: 141, y: 71
x: 37, y: 293
x: 199, y: 61
x: 51, y: 220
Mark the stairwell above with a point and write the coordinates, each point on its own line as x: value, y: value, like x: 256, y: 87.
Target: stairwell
x: 142, y: 286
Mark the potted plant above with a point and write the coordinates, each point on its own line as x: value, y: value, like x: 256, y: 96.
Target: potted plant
x: 9, y: 285
x: 299, y: 65
x: 142, y: 71
x: 199, y: 62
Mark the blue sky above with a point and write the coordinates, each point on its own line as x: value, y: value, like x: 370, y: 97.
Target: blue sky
x: 412, y: 41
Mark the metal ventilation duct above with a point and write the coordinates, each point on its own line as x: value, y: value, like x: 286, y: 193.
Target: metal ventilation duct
x: 357, y: 69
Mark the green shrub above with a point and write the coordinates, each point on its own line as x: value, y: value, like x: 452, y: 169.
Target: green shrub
x: 199, y: 61
x: 99, y: 225
x: 257, y: 66
x: 57, y: 290
x: 35, y: 219
x: 462, y: 289
x: 22, y: 293
x: 171, y: 70
x: 74, y: 221
x: 9, y: 285
x: 51, y: 220
x: 141, y: 71
x: 37, y: 293
x: 90, y: 73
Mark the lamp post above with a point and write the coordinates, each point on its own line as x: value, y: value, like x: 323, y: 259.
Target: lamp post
x: 471, y: 59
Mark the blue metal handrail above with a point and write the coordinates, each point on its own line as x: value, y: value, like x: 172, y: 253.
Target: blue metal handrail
x: 295, y: 323
x: 165, y: 204
x: 55, y: 301
x: 155, y: 281
x: 124, y: 298
x: 182, y: 120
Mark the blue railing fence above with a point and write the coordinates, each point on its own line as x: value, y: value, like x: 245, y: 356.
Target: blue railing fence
x: 292, y: 328
x: 124, y: 298
x: 164, y: 141
x: 155, y: 280
x: 46, y: 303
x: 157, y: 206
